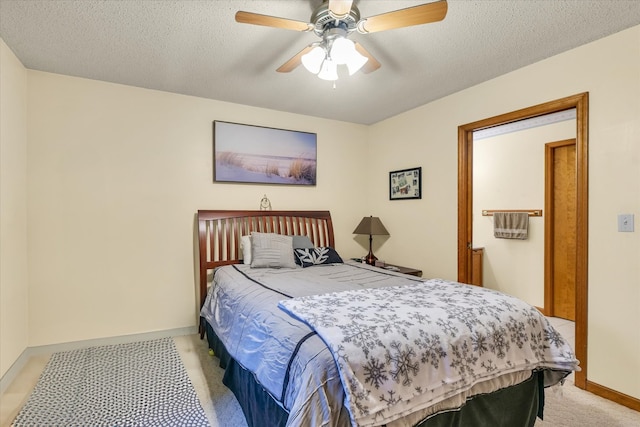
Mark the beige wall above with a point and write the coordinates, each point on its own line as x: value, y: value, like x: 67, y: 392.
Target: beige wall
x: 116, y: 174
x: 423, y: 232
x: 13, y: 208
x: 508, y: 173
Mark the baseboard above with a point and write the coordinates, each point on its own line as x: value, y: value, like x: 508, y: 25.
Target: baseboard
x: 22, y: 360
x: 614, y: 396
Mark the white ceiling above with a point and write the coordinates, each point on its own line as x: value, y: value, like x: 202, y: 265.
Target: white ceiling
x: 196, y: 48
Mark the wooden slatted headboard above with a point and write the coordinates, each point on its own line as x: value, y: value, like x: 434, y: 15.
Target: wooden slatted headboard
x: 219, y: 234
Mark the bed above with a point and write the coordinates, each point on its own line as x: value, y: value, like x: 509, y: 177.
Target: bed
x: 290, y: 337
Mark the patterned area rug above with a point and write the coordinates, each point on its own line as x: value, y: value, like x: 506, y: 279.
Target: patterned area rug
x: 135, y: 384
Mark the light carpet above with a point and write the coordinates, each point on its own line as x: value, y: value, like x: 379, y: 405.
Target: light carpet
x: 566, y: 406
x: 569, y: 406
x: 135, y: 384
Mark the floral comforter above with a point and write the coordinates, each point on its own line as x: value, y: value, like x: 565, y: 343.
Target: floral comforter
x: 399, y: 349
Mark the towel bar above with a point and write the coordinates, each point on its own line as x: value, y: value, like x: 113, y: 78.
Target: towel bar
x: 531, y: 212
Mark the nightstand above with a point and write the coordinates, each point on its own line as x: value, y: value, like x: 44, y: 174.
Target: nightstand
x: 405, y: 270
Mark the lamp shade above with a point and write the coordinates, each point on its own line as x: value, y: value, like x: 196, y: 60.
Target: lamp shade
x: 371, y: 225
x: 356, y: 62
x: 343, y: 51
x: 312, y: 60
x: 329, y: 70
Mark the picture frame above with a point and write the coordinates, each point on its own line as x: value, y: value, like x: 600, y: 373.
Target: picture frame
x: 262, y: 155
x: 405, y: 184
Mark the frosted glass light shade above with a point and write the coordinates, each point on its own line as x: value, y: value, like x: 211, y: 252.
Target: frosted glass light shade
x: 312, y: 60
x: 356, y: 62
x: 329, y: 70
x: 343, y: 51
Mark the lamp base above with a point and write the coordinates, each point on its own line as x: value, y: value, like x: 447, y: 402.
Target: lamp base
x: 370, y: 259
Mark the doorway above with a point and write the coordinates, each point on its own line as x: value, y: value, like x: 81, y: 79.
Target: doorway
x: 560, y: 230
x: 465, y: 203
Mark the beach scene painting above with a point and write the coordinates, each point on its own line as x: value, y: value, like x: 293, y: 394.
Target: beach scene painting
x: 262, y: 155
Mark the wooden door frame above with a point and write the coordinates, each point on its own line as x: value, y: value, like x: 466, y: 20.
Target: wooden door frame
x: 465, y: 203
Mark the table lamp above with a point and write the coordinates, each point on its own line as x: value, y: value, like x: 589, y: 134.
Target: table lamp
x: 371, y: 225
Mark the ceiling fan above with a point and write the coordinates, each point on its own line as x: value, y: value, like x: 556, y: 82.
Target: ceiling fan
x: 333, y: 21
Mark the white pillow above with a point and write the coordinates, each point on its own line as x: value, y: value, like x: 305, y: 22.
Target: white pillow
x: 245, y: 245
x: 271, y: 250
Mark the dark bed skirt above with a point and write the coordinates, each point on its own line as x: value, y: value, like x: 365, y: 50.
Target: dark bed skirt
x: 259, y: 407
x: 515, y: 406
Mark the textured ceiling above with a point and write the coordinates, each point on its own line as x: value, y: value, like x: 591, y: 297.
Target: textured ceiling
x: 196, y: 48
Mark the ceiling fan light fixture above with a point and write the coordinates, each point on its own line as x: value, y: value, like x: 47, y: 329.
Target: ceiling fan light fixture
x: 329, y: 70
x: 312, y: 60
x: 333, y: 21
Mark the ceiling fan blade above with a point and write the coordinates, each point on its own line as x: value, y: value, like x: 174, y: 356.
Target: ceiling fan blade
x: 416, y: 15
x: 372, y: 64
x: 294, y: 62
x: 340, y: 8
x: 272, y: 21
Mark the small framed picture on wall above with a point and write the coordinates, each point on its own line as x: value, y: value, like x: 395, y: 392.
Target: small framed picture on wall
x: 405, y: 184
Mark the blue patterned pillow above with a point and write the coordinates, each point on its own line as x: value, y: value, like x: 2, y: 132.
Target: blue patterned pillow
x: 306, y: 257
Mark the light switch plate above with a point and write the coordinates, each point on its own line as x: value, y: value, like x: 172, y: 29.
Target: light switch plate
x: 625, y: 222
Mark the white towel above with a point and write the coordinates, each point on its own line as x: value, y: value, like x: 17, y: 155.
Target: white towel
x: 511, y: 225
